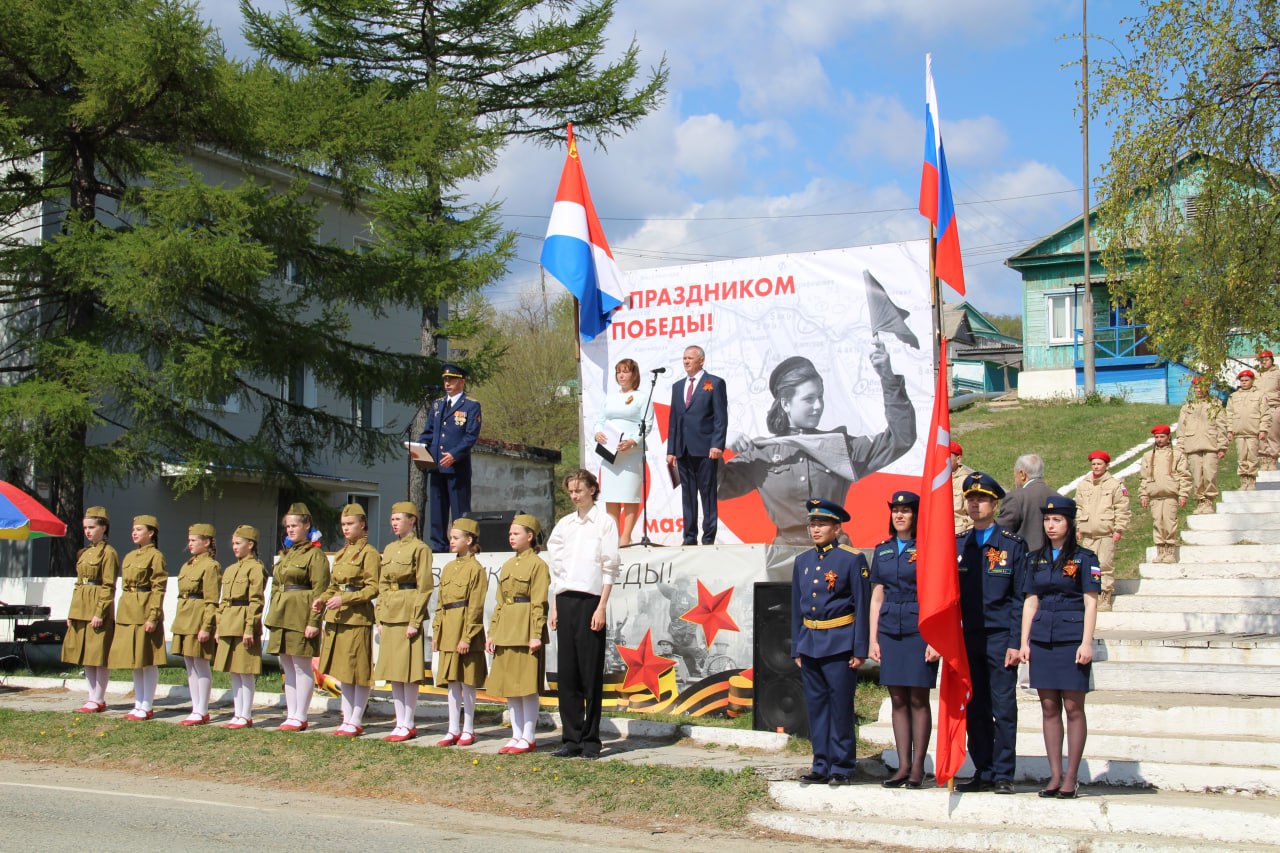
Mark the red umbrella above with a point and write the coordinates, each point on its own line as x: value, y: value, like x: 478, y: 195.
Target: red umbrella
x: 24, y: 517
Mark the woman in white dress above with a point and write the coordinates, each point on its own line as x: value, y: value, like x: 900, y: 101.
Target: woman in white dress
x: 621, y: 481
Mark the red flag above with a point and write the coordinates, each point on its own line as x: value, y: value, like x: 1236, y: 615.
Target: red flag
x: 938, y: 585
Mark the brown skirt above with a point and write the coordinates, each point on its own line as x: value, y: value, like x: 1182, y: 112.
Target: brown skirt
x: 516, y: 671
x: 134, y: 648
x: 346, y: 655
x: 399, y: 658
x: 189, y: 646
x: 86, y: 645
x: 286, y: 642
x: 231, y: 656
x: 470, y: 668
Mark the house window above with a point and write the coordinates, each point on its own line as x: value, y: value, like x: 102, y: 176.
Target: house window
x: 366, y: 411
x: 1063, y: 316
x: 300, y: 389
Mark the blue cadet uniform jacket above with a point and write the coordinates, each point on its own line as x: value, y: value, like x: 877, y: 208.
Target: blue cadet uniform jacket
x: 830, y: 599
x: 1061, y: 589
x: 900, y: 611
x: 452, y: 429
x: 991, y: 589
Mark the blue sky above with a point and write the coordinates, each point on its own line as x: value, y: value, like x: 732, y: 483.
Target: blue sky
x: 798, y: 126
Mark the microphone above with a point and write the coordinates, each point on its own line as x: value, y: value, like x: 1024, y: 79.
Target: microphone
x: 658, y: 370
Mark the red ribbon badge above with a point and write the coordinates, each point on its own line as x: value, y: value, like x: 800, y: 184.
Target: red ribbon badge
x: 831, y: 580
x: 1071, y: 568
x: 706, y: 386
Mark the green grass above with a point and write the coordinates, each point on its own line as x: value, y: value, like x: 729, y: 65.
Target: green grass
x: 1064, y: 434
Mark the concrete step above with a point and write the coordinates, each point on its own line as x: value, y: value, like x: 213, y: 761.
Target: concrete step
x: 1197, y: 554
x: 1210, y: 678
x: 1208, y: 571
x: 1200, y: 648
x: 1199, y: 620
x: 1269, y: 497
x: 1258, y: 536
x: 1234, y: 521
x: 1196, y: 587
x: 933, y: 819
x: 1263, y: 605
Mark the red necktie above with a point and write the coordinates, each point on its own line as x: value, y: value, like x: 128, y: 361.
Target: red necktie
x: 688, y: 393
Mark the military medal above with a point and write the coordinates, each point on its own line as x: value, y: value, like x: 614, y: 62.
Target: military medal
x: 993, y: 557
x: 911, y: 556
x: 1071, y: 568
x: 460, y: 418
x: 831, y: 580
x: 706, y: 386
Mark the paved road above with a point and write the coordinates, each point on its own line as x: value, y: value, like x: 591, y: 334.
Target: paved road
x: 64, y: 808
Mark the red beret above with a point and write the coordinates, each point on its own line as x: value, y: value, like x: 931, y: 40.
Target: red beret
x: 1246, y: 372
x: 1266, y: 353
x: 1100, y: 454
x: 956, y: 448
x: 1160, y: 429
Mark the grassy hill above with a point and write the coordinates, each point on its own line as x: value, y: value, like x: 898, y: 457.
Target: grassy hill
x: 1064, y: 434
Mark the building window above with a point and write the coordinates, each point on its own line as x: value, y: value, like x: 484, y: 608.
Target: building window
x: 366, y: 411
x: 300, y: 389
x: 1064, y: 317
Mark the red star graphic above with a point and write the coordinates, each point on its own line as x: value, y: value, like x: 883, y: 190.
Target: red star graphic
x: 643, y: 666
x: 712, y: 613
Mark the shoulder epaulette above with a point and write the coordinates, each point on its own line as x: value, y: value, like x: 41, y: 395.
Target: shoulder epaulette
x: 1010, y: 534
x: 851, y: 549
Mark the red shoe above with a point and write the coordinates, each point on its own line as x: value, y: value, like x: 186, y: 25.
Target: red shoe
x: 348, y: 730
x: 291, y: 726
x: 524, y: 747
x: 409, y: 735
x: 92, y: 708
x: 243, y: 724
x: 503, y: 750
x: 448, y: 740
x: 202, y: 721
x: 137, y: 715
x: 466, y: 739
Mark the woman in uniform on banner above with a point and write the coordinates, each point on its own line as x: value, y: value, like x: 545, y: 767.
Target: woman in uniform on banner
x: 624, y: 414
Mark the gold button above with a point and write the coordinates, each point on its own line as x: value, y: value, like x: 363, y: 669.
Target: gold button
x: 815, y: 595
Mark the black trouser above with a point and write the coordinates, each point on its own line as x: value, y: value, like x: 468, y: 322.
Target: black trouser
x: 580, y: 665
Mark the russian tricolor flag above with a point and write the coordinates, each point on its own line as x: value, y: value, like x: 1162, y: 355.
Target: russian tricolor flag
x: 576, y: 252
x: 935, y: 189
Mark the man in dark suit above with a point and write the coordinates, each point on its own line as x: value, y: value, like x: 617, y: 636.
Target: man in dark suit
x: 453, y: 425
x: 1020, y: 511
x: 696, y: 433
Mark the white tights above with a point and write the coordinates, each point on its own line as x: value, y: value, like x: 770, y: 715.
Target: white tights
x: 242, y: 689
x: 299, y: 684
x: 354, y: 699
x: 199, y: 682
x: 524, y: 716
x: 404, y: 696
x: 462, y: 702
x: 144, y: 687
x: 97, y: 676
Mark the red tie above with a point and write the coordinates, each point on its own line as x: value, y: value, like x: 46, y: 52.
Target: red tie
x: 688, y: 393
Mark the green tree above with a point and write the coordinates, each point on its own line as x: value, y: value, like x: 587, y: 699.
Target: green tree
x: 137, y: 297
x: 516, y: 68
x: 1009, y: 325
x: 1189, y: 221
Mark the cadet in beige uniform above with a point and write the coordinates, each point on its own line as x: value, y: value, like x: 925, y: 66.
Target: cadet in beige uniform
x: 1269, y: 384
x: 138, y: 643
x: 1202, y: 436
x: 301, y: 575
x: 346, y: 654
x: 193, y: 624
x: 1248, y: 421
x: 518, y: 632
x: 239, y: 628
x: 404, y: 591
x: 91, y: 618
x: 959, y: 505
x: 1103, y: 516
x: 1166, y: 484
x: 458, y: 636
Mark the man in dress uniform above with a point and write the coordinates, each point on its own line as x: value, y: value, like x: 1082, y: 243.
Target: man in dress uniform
x: 697, y: 429
x: 1202, y: 436
x: 1102, y: 517
x: 1269, y: 384
x: 1166, y: 485
x: 959, y: 471
x: 990, y: 562
x: 1248, y: 422
x: 453, y: 425
x: 830, y: 600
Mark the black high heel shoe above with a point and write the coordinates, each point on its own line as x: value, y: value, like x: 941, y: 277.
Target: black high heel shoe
x: 1064, y: 794
x: 1048, y: 793
x: 914, y: 784
x: 894, y: 782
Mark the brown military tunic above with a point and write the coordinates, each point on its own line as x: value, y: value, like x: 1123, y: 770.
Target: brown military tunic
x: 301, y: 575
x: 520, y: 616
x: 1268, y: 382
x: 1202, y: 435
x: 143, y: 579
x: 1165, y: 480
x: 240, y: 615
x: 460, y: 616
x: 958, y: 503
x: 97, y: 568
x: 197, y: 607
x: 347, y: 651
x: 1247, y: 417
x: 1102, y: 510
x: 405, y: 585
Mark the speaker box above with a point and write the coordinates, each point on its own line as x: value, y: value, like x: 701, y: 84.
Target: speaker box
x: 778, y: 695
x: 494, y: 527
x: 44, y: 631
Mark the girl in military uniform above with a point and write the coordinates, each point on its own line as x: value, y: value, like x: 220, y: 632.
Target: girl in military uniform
x: 193, y: 624
x: 301, y: 576
x: 91, y: 618
x: 1062, y: 582
x: 908, y: 666
x: 518, y: 632
x: 239, y: 634
x: 459, y: 631
x: 138, y: 643
x: 346, y: 655
x: 404, y: 590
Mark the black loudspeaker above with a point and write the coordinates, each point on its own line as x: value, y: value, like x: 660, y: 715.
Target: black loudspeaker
x: 778, y: 695
x: 494, y: 527
x: 44, y: 631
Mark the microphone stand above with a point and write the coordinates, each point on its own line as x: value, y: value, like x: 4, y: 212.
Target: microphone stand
x: 644, y: 467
